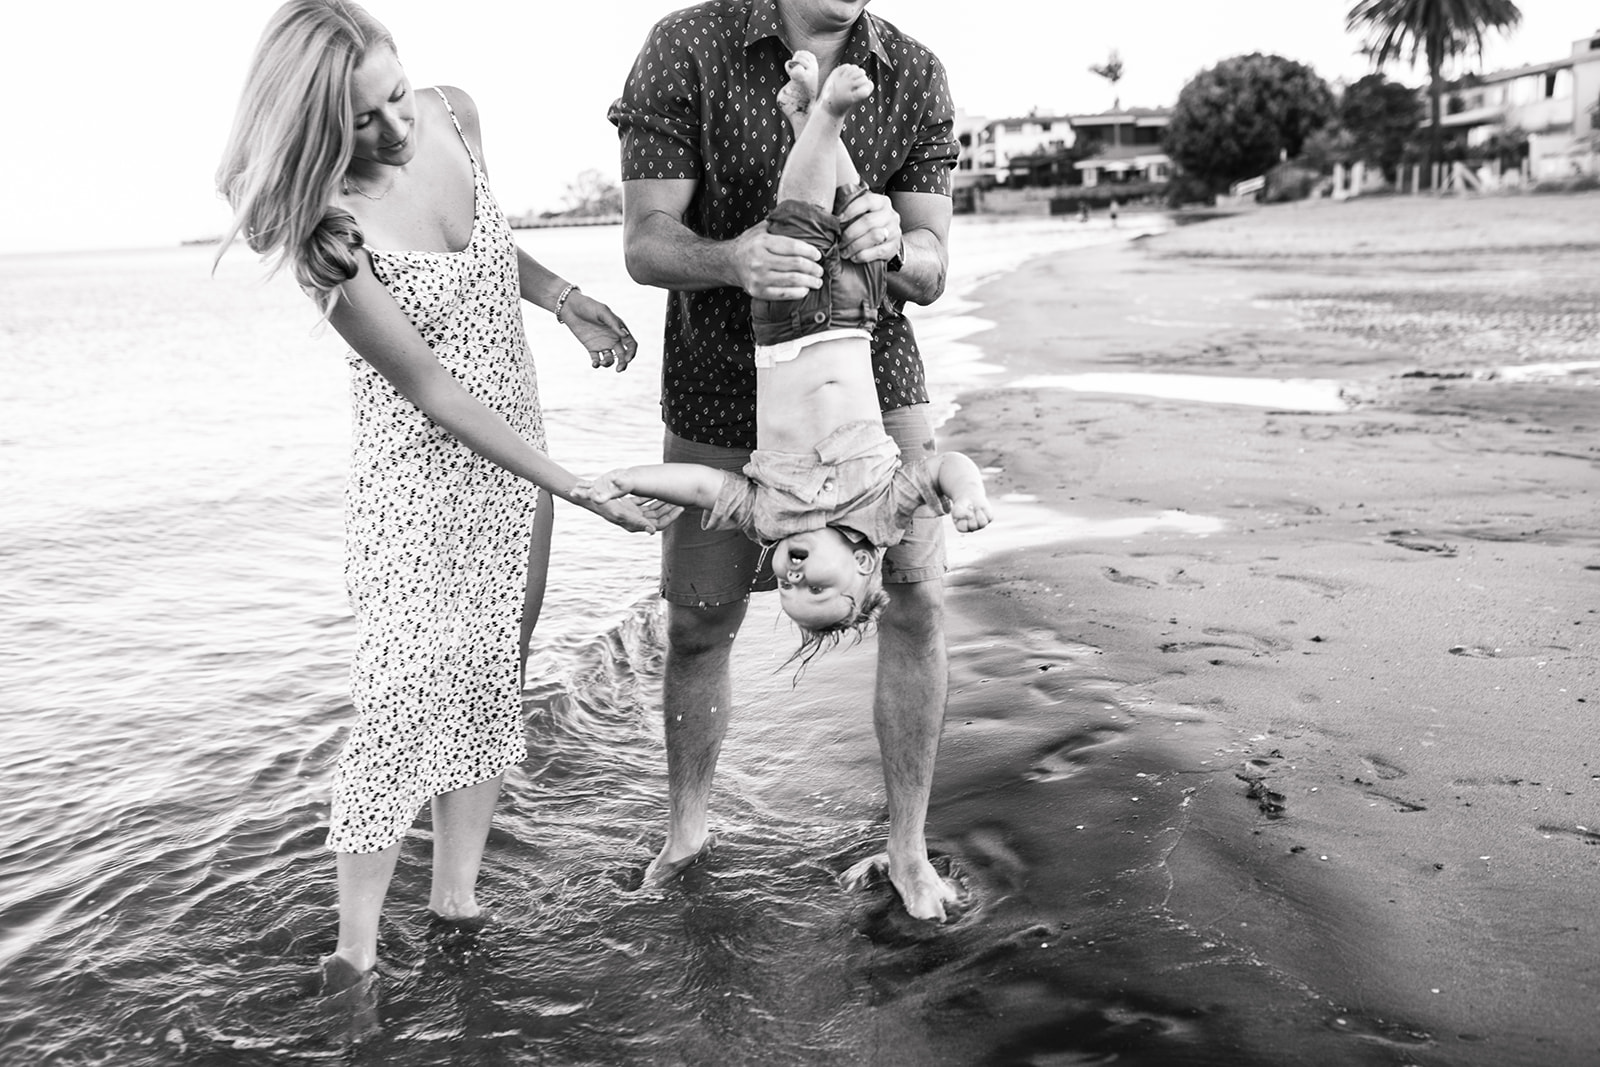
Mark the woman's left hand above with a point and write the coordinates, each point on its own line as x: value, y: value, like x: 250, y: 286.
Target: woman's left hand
x: 601, y: 332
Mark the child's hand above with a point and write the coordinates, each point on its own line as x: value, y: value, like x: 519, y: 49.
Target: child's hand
x: 609, y: 486
x: 970, y: 513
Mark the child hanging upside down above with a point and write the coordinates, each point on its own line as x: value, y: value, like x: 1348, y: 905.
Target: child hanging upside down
x: 825, y: 489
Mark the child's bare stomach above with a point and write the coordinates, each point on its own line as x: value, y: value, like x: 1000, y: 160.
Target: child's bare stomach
x: 800, y: 402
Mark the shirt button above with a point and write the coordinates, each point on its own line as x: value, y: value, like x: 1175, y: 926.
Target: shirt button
x: 827, y: 483
x: 819, y: 317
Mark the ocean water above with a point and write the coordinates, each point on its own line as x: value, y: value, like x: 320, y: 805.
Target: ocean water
x: 174, y: 640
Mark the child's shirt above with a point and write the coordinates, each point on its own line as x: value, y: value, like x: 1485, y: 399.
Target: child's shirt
x: 854, y: 478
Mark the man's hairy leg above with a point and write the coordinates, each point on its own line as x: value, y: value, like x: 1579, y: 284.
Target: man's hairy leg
x: 696, y: 698
x: 908, y: 713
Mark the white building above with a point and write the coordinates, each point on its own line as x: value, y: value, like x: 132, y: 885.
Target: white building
x: 1129, y: 143
x: 1553, y: 103
x: 997, y: 142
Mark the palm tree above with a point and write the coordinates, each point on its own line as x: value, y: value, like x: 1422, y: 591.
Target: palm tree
x: 1436, y: 29
x: 1111, y: 71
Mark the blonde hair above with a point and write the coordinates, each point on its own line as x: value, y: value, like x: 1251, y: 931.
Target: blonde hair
x: 854, y: 627
x: 292, y: 140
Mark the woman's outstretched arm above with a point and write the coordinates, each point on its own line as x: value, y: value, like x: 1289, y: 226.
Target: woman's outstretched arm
x: 367, y: 317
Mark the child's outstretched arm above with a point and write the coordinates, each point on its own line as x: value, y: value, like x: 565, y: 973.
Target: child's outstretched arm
x: 688, y: 484
x: 961, y: 481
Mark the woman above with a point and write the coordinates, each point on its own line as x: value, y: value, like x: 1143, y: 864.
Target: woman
x: 376, y: 200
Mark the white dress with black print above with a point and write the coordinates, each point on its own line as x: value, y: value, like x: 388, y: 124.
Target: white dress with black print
x: 436, y: 546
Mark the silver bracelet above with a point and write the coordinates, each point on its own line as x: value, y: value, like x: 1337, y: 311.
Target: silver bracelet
x: 561, y: 301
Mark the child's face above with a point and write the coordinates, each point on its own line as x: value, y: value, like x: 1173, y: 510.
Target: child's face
x: 821, y: 575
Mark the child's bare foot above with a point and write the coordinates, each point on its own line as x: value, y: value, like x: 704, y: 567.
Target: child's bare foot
x: 794, y: 99
x: 846, y: 87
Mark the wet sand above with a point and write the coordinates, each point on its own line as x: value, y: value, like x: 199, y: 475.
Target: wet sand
x: 1274, y: 733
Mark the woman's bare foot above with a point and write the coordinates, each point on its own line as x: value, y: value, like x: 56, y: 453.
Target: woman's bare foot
x: 846, y: 87
x: 339, y: 974
x: 794, y: 99
x: 348, y: 999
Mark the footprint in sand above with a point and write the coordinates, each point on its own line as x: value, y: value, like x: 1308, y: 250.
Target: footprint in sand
x: 1129, y: 579
x: 1331, y: 590
x: 1067, y: 757
x: 1577, y: 833
x: 1255, y: 644
x: 1409, y: 540
x: 1382, y: 768
x: 1401, y: 804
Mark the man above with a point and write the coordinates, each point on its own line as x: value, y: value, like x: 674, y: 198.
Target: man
x: 703, y: 144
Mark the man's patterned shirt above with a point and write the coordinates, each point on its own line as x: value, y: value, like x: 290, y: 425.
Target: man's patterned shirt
x: 701, y: 103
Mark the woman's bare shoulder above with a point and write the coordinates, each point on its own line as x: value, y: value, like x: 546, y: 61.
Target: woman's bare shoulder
x: 462, y: 104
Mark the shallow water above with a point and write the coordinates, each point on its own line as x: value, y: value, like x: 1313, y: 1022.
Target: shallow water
x: 1291, y: 394
x: 174, y: 638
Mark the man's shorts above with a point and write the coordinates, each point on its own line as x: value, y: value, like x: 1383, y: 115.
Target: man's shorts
x: 851, y: 295
x: 710, y: 568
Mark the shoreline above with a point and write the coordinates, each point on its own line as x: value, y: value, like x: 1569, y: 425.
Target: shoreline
x: 1388, y: 639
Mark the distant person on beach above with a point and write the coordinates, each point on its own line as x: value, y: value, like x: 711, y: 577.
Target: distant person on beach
x: 702, y: 152
x: 376, y: 199
x: 825, y: 490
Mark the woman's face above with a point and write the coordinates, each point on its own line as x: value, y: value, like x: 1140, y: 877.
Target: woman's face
x: 385, y: 110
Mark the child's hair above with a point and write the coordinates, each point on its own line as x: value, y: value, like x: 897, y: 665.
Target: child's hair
x: 858, y: 624
x: 292, y: 139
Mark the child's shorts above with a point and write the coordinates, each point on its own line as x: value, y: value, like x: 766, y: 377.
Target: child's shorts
x: 851, y: 293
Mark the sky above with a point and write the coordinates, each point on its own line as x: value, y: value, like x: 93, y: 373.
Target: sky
x: 121, y: 110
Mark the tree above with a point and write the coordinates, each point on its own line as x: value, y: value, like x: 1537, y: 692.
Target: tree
x: 1111, y: 71
x: 592, y: 193
x: 1381, y: 118
x: 1438, y: 30
x: 1235, y: 120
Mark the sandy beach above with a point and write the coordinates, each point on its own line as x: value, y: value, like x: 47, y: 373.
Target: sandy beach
x: 1298, y: 685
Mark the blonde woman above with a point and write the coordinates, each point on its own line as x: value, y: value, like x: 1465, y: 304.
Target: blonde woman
x: 374, y: 196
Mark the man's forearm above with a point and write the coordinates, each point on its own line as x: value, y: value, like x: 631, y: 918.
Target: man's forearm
x: 923, y: 267
x: 661, y: 251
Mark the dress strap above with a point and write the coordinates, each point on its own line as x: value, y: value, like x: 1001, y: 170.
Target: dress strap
x: 459, y: 131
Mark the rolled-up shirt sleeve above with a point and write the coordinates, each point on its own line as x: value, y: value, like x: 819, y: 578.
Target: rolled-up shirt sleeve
x: 658, y: 115
x: 734, y: 506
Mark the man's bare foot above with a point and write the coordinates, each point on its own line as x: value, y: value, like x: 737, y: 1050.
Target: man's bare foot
x: 667, y: 866
x: 846, y: 87
x: 924, y: 894
x: 794, y: 99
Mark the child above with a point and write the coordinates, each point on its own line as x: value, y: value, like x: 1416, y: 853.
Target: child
x: 825, y: 487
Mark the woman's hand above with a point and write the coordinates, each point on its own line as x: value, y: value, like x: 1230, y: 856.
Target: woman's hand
x: 599, y: 330
x: 633, y: 514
